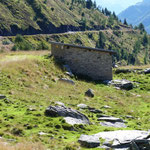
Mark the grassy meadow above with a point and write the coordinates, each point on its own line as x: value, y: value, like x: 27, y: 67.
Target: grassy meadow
x: 30, y: 82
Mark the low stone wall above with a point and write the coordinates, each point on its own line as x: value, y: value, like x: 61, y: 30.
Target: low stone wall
x: 92, y: 63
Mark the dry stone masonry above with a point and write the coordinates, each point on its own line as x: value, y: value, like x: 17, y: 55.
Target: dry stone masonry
x: 92, y: 62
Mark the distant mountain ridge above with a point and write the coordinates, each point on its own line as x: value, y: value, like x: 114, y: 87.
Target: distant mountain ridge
x: 136, y: 14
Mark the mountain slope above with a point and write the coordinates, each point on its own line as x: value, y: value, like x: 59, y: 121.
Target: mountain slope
x: 139, y: 13
x: 46, y: 16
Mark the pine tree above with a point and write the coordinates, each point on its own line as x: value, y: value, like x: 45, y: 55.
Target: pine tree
x: 141, y: 27
x: 145, y: 40
x: 101, y: 41
x: 125, y: 22
x: 89, y: 4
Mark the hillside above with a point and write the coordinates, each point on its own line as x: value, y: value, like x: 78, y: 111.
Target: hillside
x: 46, y: 16
x: 129, y: 44
x: 29, y: 80
x: 137, y: 14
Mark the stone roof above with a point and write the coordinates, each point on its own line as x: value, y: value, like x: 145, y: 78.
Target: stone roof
x: 83, y: 47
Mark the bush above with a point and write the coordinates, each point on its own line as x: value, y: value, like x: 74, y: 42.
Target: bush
x: 6, y: 42
x: 43, y: 46
x: 21, y: 44
x: 17, y: 131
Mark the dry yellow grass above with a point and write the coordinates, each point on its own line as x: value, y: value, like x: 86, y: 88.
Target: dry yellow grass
x: 21, y: 146
x: 135, y: 67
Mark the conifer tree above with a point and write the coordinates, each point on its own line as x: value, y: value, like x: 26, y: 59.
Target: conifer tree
x: 101, y: 41
x: 125, y: 22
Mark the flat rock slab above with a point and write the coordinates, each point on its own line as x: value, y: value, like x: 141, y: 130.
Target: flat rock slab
x: 113, y: 124
x: 89, y: 141
x: 2, y: 96
x: 120, y: 140
x: 110, y: 119
x: 68, y: 81
x: 73, y: 121
x: 55, y: 111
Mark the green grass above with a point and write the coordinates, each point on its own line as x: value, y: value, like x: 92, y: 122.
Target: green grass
x: 29, y: 83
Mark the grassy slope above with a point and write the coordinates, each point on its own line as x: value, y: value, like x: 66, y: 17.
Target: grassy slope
x: 23, y: 14
x: 28, y: 80
x: 125, y: 41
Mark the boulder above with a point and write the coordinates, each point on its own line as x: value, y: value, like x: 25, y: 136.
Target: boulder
x: 113, y: 124
x: 89, y: 93
x: 67, y: 81
x: 2, y: 96
x: 122, y: 84
x: 89, y: 141
x: 54, y: 111
x: 120, y: 139
x: 147, y: 71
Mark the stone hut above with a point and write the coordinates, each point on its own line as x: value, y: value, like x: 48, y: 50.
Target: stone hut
x: 92, y: 62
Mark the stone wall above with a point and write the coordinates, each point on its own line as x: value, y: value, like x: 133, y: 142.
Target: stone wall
x: 83, y: 61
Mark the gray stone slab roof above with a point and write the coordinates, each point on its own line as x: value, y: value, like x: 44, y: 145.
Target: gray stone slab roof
x: 83, y: 47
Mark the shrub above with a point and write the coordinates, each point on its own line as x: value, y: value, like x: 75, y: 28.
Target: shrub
x: 43, y: 46
x: 17, y: 131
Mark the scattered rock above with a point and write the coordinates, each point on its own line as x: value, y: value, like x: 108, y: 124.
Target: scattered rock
x: 89, y: 93
x: 147, y: 71
x: 89, y: 141
x: 60, y: 103
x: 106, y: 107
x: 93, y: 110
x: 54, y: 111
x: 129, y: 117
x: 113, y: 124
x: 120, y: 139
x: 110, y: 119
x: 123, y: 71
x: 42, y: 133
x: 67, y: 81
x: 102, y: 115
x: 115, y: 66
x: 82, y: 106
x: 2, y: 96
x: 122, y: 84
x: 69, y: 72
x: 31, y: 109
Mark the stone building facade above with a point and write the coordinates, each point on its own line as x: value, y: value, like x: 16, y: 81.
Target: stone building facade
x: 92, y: 62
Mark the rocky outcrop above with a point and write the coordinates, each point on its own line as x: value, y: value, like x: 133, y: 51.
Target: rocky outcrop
x: 72, y: 116
x: 117, y: 139
x: 122, y: 84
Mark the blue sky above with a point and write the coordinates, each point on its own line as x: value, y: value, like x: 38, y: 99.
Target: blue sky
x: 117, y: 5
